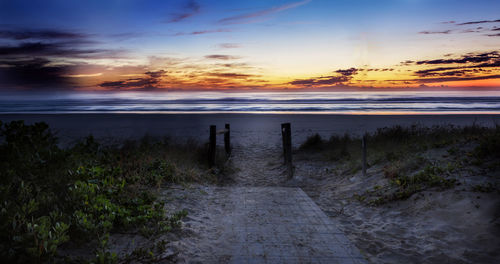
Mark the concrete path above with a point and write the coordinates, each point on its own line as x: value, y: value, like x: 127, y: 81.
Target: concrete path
x: 279, y: 225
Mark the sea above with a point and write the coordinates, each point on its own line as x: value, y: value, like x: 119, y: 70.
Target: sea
x: 394, y: 102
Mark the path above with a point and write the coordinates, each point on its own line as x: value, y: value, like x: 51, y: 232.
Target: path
x: 257, y: 220
x: 261, y: 225
x: 258, y: 165
x: 282, y: 225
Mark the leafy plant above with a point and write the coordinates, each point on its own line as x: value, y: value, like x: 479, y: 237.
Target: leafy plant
x: 50, y: 195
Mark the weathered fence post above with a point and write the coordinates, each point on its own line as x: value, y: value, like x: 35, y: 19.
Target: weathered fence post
x: 286, y: 134
x: 284, y: 141
x: 363, y: 145
x: 212, y: 146
x: 227, y: 139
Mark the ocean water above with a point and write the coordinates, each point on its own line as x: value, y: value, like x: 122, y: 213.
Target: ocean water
x: 444, y: 102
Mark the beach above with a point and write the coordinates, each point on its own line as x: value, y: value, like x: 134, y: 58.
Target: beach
x: 457, y: 224
x: 262, y: 129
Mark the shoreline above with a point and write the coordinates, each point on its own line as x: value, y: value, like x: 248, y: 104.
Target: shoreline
x: 339, y: 113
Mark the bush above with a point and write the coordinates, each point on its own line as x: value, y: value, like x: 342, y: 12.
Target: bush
x: 50, y: 195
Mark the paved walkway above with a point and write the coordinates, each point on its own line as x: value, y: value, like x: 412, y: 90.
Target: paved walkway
x: 279, y: 225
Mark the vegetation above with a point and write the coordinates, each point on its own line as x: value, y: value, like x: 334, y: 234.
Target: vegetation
x: 405, y: 157
x: 50, y: 195
x: 406, y: 186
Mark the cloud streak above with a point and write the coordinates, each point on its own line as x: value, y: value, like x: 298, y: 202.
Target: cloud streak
x: 434, y: 32
x: 201, y: 32
x: 454, y: 79
x: 190, y: 9
x: 61, y: 50
x: 40, y: 34
x: 253, y: 17
x: 221, y: 57
x: 232, y: 75
x: 469, y: 58
x: 478, y: 22
x: 229, y: 45
x: 341, y: 77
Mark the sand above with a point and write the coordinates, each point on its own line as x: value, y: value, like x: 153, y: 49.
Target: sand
x: 451, y: 226
x: 246, y: 129
x: 456, y: 225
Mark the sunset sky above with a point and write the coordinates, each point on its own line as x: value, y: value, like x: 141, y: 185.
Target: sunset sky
x: 248, y: 45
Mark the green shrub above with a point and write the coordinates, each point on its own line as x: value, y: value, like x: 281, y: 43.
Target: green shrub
x: 50, y: 195
x: 431, y: 176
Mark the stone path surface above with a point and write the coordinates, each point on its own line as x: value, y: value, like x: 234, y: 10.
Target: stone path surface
x: 278, y: 225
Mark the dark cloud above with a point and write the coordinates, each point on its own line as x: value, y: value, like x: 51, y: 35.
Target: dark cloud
x: 31, y: 43
x: 469, y: 63
x: 156, y: 74
x: 46, y: 59
x: 221, y: 57
x: 435, y: 32
x: 407, y: 62
x: 252, y: 17
x: 328, y: 80
x: 190, y: 9
x: 442, y: 70
x: 40, y: 34
x: 342, y: 77
x: 469, y: 58
x: 479, y: 22
x: 429, y: 73
x: 35, y: 73
x: 147, y: 83
x: 493, y: 35
x: 150, y: 82
x: 450, y: 79
x: 41, y: 49
x: 375, y: 69
x: 347, y: 72
x: 434, y: 71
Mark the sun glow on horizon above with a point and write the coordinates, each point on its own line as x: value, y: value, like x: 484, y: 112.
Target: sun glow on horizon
x: 247, y: 46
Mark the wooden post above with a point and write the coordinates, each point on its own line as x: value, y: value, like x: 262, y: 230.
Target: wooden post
x: 212, y: 146
x: 227, y: 140
x: 283, y: 137
x: 286, y: 133
x: 363, y: 145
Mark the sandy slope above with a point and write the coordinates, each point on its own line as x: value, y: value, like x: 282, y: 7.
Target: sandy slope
x: 450, y: 226
x: 435, y: 226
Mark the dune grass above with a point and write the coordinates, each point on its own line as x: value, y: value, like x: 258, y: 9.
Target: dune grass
x: 50, y: 195
x: 403, y: 153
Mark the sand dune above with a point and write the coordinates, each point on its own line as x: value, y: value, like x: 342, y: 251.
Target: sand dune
x: 452, y: 226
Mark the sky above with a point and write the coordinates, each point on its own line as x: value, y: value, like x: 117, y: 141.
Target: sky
x: 227, y: 45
